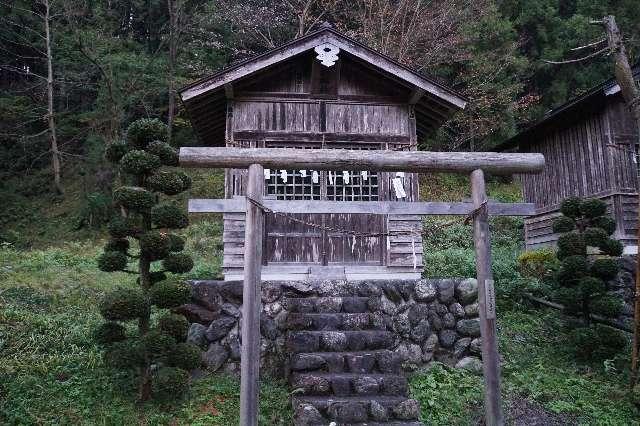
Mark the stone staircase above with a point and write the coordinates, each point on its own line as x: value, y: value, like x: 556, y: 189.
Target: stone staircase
x: 342, y: 368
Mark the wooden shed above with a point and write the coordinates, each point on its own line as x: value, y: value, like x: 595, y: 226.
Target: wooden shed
x: 322, y: 90
x: 591, y: 149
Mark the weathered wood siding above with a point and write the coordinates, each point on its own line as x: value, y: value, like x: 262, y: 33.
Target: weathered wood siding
x: 304, y: 105
x: 593, y: 156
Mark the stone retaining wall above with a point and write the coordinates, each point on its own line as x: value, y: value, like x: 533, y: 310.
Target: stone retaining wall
x: 431, y: 319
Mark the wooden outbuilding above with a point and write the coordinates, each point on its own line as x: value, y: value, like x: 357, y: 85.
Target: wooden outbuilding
x: 591, y: 149
x: 323, y: 90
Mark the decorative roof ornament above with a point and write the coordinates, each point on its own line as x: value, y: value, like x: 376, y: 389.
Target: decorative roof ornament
x: 327, y: 54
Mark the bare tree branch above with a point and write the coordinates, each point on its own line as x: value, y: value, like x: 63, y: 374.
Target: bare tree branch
x: 584, y: 58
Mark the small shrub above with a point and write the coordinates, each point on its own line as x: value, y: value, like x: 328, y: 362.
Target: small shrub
x: 571, y: 244
x: 571, y: 207
x: 157, y: 276
x: 169, y: 183
x: 174, y: 325
x: 598, y: 342
x: 155, y: 245
x: 157, y: 343
x: 593, y: 207
x: 605, y: 223
x: 572, y: 268
x: 134, y: 198
x: 126, y: 354
x: 168, y: 155
x: 109, y: 332
x: 169, y: 294
x: 170, y: 382
x: 595, y: 237
x: 112, y: 261
x: 167, y: 215
x: 120, y: 227
x: 563, y: 224
x: 612, y: 247
x: 176, y: 243
x: 138, y: 162
x: 185, y: 356
x: 607, y: 306
x: 117, y: 244
x: 124, y: 305
x: 605, y: 268
x: 142, y: 132
x: 178, y: 263
x: 591, y: 286
x: 536, y: 263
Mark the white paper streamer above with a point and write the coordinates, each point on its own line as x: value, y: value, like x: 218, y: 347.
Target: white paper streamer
x: 353, y: 244
x: 400, y: 174
x: 388, y: 243
x: 330, y: 178
x: 398, y: 188
x: 315, y: 178
x: 267, y: 174
x: 283, y: 175
x: 303, y: 173
x: 413, y: 251
x: 364, y: 175
x: 345, y: 177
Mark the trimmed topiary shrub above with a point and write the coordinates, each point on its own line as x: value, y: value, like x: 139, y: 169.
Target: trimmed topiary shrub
x: 112, y: 261
x: 124, y: 304
x: 167, y: 154
x: 140, y: 161
x: 169, y: 383
x: 169, y: 294
x: 580, y: 283
x: 174, y: 325
x: 134, y: 198
x: 185, y: 356
x: 144, y: 131
x: 178, y: 263
x: 168, y: 215
x: 109, y: 332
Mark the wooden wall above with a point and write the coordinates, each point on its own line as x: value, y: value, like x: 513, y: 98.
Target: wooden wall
x: 302, y: 104
x: 591, y: 156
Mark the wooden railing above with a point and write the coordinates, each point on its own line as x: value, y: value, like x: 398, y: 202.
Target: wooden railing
x: 255, y: 159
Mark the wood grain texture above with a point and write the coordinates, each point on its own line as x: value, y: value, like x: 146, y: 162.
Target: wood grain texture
x: 238, y: 204
x: 490, y: 357
x: 250, y: 349
x: 319, y: 159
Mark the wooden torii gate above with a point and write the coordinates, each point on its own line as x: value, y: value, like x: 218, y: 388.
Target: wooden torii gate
x: 475, y: 163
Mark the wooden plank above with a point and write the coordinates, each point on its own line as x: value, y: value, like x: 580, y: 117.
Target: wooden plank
x: 486, y: 304
x: 250, y: 349
x: 237, y: 204
x: 375, y: 160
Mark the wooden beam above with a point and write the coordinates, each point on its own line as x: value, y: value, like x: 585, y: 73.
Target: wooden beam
x: 277, y: 135
x: 238, y: 205
x: 228, y: 90
x: 252, y: 305
x: 375, y: 160
x: 486, y: 304
x: 416, y: 95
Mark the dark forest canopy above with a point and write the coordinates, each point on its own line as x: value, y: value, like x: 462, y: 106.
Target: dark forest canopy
x: 114, y: 61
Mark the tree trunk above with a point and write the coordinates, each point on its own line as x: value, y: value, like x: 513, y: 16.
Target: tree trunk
x: 55, y: 153
x: 631, y: 95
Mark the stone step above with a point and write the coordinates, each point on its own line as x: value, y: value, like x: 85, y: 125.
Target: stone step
x: 335, y: 321
x: 357, y: 409
x: 346, y: 384
x: 338, y: 341
x: 326, y: 305
x: 382, y: 361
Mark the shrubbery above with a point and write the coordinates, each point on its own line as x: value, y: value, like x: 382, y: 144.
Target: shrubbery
x: 580, y: 283
x: 161, y: 344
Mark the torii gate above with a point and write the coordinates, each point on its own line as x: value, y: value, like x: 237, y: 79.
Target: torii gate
x: 475, y: 163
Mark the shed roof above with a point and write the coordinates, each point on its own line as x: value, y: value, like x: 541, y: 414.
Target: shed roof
x: 205, y: 99
x: 590, y: 100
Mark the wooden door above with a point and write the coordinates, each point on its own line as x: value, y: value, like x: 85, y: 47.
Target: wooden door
x: 305, y: 240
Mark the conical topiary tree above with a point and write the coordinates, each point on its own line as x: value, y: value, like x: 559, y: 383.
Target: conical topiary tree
x: 157, y: 351
x: 581, y: 281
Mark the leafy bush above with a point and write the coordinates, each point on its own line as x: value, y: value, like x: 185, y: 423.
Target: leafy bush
x: 580, y: 283
x: 563, y: 224
x: 598, y: 342
x: 537, y: 263
x: 169, y: 383
x: 145, y: 152
x: 115, y: 151
x: 124, y: 305
x: 109, y: 332
x: 185, y: 356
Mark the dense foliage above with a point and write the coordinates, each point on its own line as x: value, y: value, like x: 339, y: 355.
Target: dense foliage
x: 148, y: 223
x: 581, y: 282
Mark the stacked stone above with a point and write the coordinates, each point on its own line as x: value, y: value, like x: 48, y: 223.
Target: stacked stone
x: 624, y: 286
x: 428, y: 319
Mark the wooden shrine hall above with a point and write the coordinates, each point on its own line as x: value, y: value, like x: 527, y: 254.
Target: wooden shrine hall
x: 321, y: 91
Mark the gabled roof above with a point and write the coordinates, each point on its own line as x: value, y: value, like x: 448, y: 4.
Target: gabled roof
x: 592, y: 99
x: 210, y: 91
